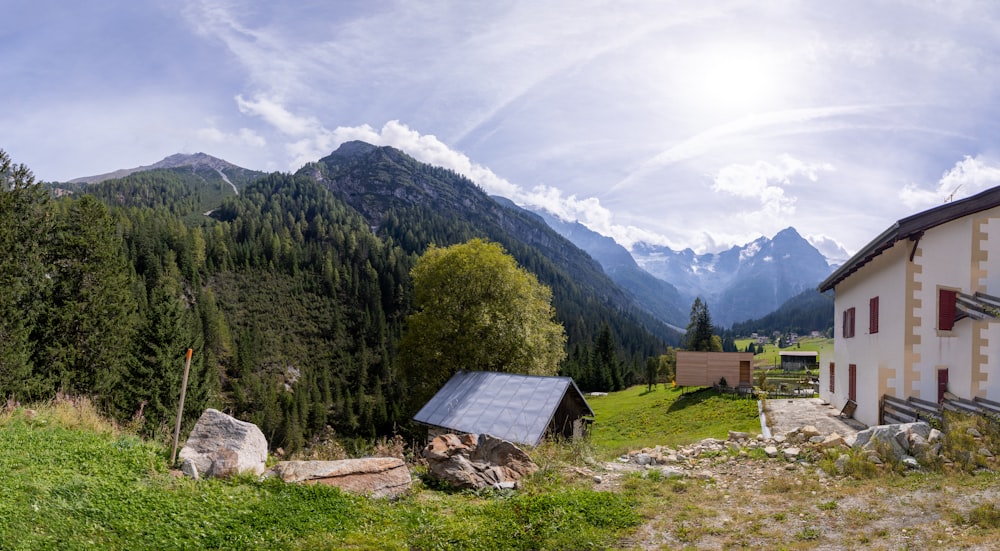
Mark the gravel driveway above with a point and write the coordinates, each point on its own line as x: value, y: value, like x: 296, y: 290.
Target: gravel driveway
x: 785, y: 415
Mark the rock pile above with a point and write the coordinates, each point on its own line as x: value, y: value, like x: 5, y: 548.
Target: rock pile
x: 472, y: 461
x: 904, y: 443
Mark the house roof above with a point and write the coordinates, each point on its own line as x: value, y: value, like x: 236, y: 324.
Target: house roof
x: 513, y: 407
x: 912, y: 228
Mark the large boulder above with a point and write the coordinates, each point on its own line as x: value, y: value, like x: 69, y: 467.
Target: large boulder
x: 476, y: 461
x: 371, y: 476
x: 895, y: 440
x: 221, y: 446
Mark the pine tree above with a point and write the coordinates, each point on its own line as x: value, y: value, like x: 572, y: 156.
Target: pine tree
x: 90, y: 309
x: 24, y: 224
x: 699, y: 330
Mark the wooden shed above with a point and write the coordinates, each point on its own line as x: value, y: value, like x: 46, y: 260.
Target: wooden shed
x: 709, y: 368
x: 520, y: 408
x: 797, y: 360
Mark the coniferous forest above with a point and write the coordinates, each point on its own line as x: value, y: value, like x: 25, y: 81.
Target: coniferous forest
x: 293, y: 293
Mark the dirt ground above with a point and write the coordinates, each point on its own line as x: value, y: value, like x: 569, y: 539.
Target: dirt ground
x: 726, y: 501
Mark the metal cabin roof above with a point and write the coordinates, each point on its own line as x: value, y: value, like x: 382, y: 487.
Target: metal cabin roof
x: 912, y: 228
x: 513, y: 407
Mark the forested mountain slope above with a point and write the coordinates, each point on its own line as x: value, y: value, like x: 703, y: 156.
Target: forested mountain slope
x: 415, y: 204
x: 293, y: 301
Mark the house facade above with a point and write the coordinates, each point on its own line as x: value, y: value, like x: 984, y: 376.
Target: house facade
x: 916, y: 311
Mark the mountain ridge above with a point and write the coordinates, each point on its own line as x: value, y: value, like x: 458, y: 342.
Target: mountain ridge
x: 177, y: 160
x: 740, y: 283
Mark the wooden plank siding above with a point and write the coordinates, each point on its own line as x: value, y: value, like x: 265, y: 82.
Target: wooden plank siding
x: 707, y: 368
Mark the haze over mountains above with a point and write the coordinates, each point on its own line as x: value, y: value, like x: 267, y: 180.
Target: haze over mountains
x: 741, y: 283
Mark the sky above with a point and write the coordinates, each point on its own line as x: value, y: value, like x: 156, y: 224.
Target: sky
x: 691, y: 124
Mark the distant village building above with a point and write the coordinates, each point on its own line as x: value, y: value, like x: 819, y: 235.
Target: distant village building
x: 518, y: 408
x: 798, y: 360
x: 930, y: 288
x: 709, y: 368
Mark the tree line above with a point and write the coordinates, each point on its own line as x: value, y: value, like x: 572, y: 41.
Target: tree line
x: 294, y: 307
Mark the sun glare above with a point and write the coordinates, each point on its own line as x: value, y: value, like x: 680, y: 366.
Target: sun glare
x: 734, y: 78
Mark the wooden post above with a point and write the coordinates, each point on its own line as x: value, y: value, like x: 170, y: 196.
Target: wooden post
x: 180, y: 406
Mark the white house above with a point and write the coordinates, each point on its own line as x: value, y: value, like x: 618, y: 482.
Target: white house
x: 916, y: 310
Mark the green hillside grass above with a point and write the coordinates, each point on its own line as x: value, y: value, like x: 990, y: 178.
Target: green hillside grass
x: 771, y: 355
x: 72, y: 481
x: 636, y: 418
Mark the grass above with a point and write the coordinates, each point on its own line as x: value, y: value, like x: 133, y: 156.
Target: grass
x: 73, y: 481
x: 636, y: 418
x: 771, y: 356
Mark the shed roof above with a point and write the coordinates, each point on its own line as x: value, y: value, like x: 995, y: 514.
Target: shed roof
x: 913, y: 227
x: 799, y: 353
x: 513, y: 407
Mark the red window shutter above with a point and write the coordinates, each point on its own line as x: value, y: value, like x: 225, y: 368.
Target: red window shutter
x: 946, y: 309
x: 832, y: 372
x: 873, y: 315
x: 843, y: 326
x: 852, y: 382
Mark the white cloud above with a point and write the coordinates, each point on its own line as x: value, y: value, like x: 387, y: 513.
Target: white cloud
x: 244, y: 136
x: 764, y: 181
x: 834, y: 252
x: 968, y: 177
x: 274, y: 113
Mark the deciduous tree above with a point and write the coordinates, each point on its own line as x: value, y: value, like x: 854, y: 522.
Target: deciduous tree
x: 476, y: 309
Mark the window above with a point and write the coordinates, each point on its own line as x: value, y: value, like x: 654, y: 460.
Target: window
x: 873, y: 315
x: 848, y: 328
x: 946, y: 309
x: 832, y: 371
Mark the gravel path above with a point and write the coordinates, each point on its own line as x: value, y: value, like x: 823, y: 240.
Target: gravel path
x: 786, y: 415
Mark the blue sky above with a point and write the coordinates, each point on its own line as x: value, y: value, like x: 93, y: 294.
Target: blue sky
x: 690, y: 124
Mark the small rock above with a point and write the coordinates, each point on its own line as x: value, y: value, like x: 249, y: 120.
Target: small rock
x: 672, y: 472
x: 771, y: 451
x: 816, y: 439
x: 841, y: 463
x: 791, y: 454
x: 189, y: 469
x: 597, y: 479
x: 985, y: 452
x: 737, y: 435
x: 809, y: 431
x: 780, y: 438
x: 973, y: 432
x: 934, y: 436
x: 910, y: 462
x: 832, y: 441
x: 643, y: 459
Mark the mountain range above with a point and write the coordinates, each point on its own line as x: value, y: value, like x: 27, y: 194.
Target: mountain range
x: 388, y: 187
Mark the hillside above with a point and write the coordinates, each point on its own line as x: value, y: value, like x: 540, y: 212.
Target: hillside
x: 74, y: 480
x: 657, y: 296
x: 415, y: 204
x: 292, y: 299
